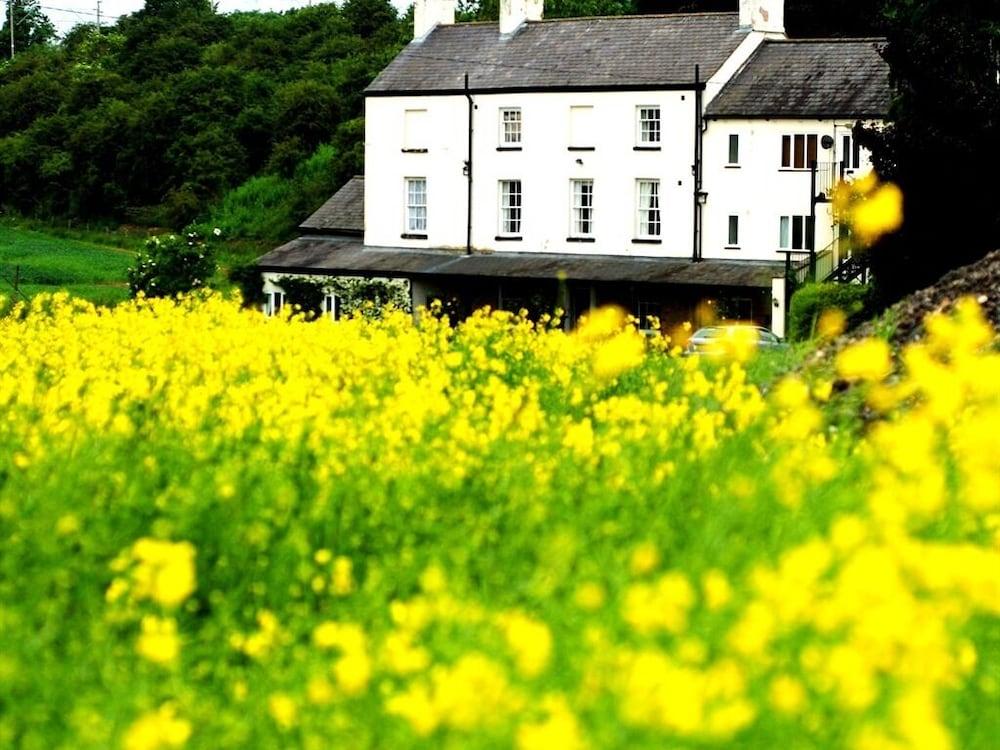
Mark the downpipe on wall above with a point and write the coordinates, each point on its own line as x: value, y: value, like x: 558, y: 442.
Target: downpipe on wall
x: 468, y: 172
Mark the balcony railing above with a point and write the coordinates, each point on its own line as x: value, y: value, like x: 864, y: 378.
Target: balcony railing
x: 826, y: 175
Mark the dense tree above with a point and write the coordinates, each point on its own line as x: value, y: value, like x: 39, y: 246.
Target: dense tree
x: 156, y: 118
x: 942, y: 145
x: 31, y: 27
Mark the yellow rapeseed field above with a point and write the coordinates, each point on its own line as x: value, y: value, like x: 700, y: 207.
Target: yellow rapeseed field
x: 220, y: 531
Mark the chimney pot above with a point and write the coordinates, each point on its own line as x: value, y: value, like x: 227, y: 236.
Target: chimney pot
x: 513, y: 13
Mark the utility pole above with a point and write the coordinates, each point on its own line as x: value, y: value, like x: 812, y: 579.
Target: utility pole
x: 11, y: 3
x: 98, y: 16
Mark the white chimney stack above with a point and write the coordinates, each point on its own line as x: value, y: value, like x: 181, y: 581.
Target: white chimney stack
x: 513, y: 13
x: 430, y: 13
x: 765, y: 16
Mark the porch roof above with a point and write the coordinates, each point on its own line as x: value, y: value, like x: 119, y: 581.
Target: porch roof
x: 347, y: 256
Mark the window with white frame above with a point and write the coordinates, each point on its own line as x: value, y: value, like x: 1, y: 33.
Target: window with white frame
x: 510, y: 126
x: 648, y: 205
x: 734, y: 232
x: 794, y: 233
x: 734, y: 150
x: 273, y: 302
x: 851, y: 155
x: 649, y: 125
x: 582, y: 219
x: 581, y: 128
x: 416, y: 205
x: 510, y: 208
x: 799, y: 151
x: 415, y: 131
x: 330, y: 306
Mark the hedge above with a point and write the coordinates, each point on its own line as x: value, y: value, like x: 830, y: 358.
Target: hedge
x: 809, y: 302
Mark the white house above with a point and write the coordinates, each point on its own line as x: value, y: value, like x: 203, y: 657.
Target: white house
x: 668, y: 163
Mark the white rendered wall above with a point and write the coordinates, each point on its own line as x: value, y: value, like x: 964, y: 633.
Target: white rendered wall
x: 759, y: 190
x: 545, y: 167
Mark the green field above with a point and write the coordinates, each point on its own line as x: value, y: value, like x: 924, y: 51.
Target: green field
x: 43, y: 263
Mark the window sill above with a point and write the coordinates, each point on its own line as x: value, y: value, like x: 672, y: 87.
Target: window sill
x: 647, y: 241
x: 734, y: 166
x: 803, y: 170
x: 411, y: 236
x: 647, y: 148
x: 731, y: 247
x: 414, y: 150
x: 508, y: 238
x: 581, y: 148
x: 509, y: 148
x: 581, y: 239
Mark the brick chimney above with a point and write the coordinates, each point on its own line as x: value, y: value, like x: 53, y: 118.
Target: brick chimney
x: 513, y: 13
x: 766, y: 16
x: 430, y: 13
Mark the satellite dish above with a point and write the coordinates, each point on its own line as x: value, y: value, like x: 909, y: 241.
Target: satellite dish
x: 827, y: 142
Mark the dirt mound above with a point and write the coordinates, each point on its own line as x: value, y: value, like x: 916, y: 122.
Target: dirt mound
x: 980, y: 280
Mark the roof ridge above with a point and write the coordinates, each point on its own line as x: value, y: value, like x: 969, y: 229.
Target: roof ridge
x: 624, y: 16
x: 827, y: 39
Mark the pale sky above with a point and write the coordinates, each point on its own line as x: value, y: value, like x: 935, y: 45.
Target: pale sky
x: 65, y: 14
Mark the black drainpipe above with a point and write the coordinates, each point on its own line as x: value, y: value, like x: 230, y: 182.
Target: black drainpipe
x: 697, y: 169
x: 468, y: 174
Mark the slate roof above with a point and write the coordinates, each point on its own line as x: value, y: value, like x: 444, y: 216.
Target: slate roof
x: 809, y: 79
x: 344, y: 213
x: 621, y: 52
x: 344, y: 257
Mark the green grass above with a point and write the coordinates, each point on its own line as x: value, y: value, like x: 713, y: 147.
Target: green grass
x: 41, y: 262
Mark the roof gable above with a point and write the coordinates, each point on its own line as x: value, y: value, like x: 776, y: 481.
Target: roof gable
x: 809, y: 79
x: 620, y: 52
x: 344, y: 213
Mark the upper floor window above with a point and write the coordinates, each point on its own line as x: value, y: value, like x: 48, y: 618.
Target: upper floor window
x: 648, y: 219
x: 415, y: 130
x: 510, y: 207
x: 510, y: 126
x: 649, y: 125
x: 795, y: 233
x: 851, y: 155
x: 416, y: 205
x: 582, y: 219
x: 734, y: 150
x: 581, y: 128
x: 799, y: 151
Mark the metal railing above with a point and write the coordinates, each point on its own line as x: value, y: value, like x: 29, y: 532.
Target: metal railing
x: 826, y: 176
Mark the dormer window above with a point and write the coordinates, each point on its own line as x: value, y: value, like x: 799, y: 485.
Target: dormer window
x: 510, y: 127
x: 649, y: 125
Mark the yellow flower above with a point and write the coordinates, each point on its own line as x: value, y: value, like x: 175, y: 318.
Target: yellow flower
x: 559, y: 731
x: 283, y: 710
x: 881, y: 213
x: 165, y: 571
x: 865, y: 360
x: 158, y: 729
x: 832, y: 322
x: 787, y: 694
x: 343, y: 581
x: 718, y: 592
x: 159, y: 642
x: 616, y: 355
x: 589, y: 596
x: 529, y: 640
x: 644, y: 559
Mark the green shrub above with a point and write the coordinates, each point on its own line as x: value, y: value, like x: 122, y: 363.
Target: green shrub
x: 171, y: 264
x: 809, y: 302
x: 305, y: 293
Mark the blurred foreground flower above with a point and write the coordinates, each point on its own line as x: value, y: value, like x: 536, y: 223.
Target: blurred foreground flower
x: 870, y: 207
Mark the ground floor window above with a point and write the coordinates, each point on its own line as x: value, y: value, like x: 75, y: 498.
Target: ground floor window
x: 648, y: 315
x: 273, y: 302
x: 330, y: 307
x: 795, y: 233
